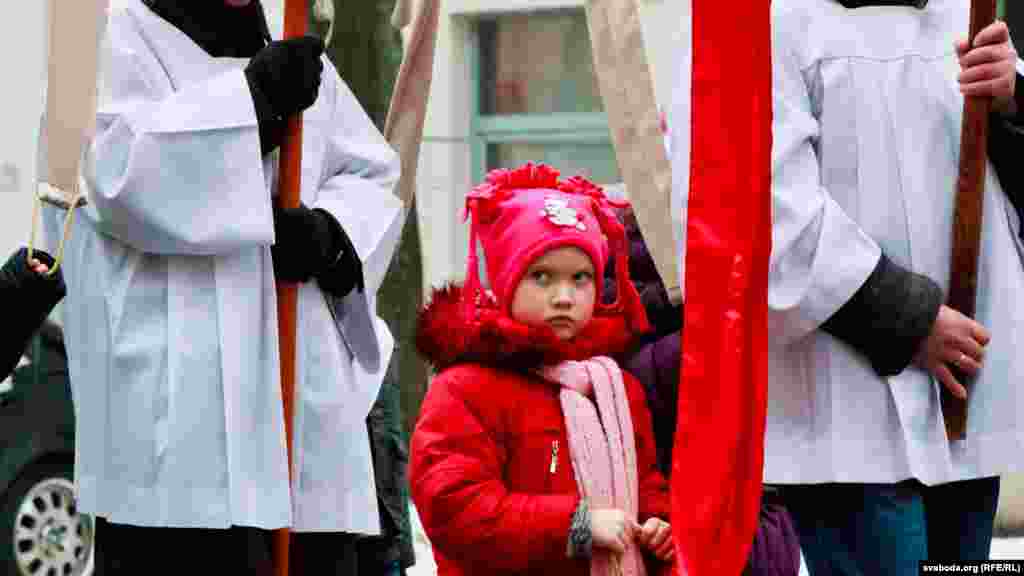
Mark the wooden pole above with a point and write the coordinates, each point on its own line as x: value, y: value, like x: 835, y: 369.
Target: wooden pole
x: 296, y: 17
x: 970, y: 189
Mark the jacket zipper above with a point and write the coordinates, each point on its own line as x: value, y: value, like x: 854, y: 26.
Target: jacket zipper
x: 554, y: 457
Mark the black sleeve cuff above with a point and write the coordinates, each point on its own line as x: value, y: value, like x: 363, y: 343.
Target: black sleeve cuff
x: 28, y: 299
x: 1005, y: 143
x: 35, y: 291
x: 581, y: 539
x: 1018, y: 100
x: 888, y: 317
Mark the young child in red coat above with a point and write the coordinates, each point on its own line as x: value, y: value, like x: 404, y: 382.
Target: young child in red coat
x: 533, y: 452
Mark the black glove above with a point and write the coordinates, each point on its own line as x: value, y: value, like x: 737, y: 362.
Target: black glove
x: 284, y: 79
x: 312, y: 244
x: 28, y: 298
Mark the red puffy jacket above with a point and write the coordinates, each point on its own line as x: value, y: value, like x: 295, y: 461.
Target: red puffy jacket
x: 490, y: 471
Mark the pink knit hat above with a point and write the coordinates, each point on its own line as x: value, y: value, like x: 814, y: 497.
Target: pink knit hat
x: 518, y: 215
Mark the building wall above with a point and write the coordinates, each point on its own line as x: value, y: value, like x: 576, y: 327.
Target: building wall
x: 22, y: 27
x: 446, y: 165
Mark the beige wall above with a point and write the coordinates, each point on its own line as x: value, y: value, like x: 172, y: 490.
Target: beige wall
x: 22, y: 27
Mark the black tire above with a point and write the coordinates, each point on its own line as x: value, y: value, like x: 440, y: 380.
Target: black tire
x: 41, y: 531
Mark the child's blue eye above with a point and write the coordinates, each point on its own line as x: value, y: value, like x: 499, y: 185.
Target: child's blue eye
x: 583, y: 277
x: 540, y: 277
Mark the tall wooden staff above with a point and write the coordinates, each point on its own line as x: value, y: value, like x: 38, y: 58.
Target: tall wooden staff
x: 296, y: 16
x: 970, y: 190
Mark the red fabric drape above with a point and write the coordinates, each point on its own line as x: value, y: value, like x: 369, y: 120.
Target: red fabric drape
x: 717, y: 464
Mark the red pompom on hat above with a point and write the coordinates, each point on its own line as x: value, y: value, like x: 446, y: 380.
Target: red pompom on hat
x: 519, y: 215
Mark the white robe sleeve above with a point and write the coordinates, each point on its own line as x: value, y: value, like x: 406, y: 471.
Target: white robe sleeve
x: 820, y: 256
x: 361, y: 175
x: 178, y: 172
x: 359, y: 189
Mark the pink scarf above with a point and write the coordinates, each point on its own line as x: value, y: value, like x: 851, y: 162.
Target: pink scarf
x: 602, y: 448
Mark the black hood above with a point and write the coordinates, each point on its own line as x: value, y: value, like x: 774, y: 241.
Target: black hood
x: 219, y: 29
x: 920, y: 4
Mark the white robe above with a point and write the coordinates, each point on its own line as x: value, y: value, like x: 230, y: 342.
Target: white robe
x: 171, y: 318
x: 866, y: 137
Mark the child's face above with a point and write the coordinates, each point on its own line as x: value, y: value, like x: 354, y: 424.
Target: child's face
x: 558, y: 290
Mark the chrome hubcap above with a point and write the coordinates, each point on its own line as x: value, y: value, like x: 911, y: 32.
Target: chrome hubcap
x: 50, y: 537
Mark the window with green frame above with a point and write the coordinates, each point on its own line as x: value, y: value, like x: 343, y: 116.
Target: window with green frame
x: 536, y: 97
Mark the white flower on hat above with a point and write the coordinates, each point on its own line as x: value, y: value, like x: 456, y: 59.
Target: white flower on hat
x: 557, y: 210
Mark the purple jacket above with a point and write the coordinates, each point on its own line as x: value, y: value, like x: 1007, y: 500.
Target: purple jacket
x: 655, y: 363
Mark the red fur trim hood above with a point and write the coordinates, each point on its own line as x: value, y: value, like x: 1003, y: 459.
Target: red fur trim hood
x: 445, y: 336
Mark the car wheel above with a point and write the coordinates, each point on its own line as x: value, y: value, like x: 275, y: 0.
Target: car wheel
x: 41, y: 531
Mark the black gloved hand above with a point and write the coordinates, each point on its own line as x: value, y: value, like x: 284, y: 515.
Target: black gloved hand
x: 284, y: 79
x: 19, y: 278
x: 28, y: 297
x: 312, y: 244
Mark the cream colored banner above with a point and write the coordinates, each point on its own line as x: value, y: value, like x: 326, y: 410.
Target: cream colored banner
x: 408, y: 109
x: 74, y: 35
x: 624, y: 75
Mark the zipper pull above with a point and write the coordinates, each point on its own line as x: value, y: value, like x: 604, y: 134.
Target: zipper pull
x: 554, y: 457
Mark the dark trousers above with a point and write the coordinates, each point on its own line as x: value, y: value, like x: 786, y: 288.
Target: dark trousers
x: 124, y: 549
x: 887, y: 529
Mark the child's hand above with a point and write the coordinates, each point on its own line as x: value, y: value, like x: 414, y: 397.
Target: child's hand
x: 988, y: 68
x: 37, y: 266
x: 611, y: 529
x: 656, y: 536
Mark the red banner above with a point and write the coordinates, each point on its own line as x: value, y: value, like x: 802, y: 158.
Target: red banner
x: 719, y: 448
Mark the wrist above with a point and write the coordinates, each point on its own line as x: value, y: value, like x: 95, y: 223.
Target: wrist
x: 581, y: 540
